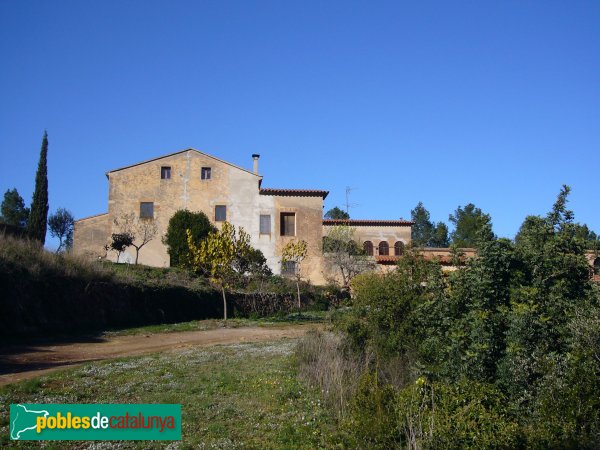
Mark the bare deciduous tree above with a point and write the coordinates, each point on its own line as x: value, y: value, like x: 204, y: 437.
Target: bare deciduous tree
x: 141, y: 230
x: 344, y: 255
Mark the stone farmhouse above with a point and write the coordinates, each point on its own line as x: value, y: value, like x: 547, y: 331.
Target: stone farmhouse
x: 189, y: 179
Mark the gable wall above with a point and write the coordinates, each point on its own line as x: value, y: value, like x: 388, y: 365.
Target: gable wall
x: 228, y: 185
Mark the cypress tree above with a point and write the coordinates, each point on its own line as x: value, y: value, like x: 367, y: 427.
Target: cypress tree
x: 38, y: 217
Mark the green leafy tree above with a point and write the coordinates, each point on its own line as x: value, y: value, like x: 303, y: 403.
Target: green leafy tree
x: 176, y: 238
x: 554, y: 279
x: 13, y: 209
x: 384, y: 305
x: 439, y: 237
x: 119, y: 243
x: 337, y: 213
x: 295, y: 252
x: 425, y: 233
x: 422, y: 228
x: 590, y: 239
x: 468, y: 222
x: 479, y: 295
x: 61, y: 225
x: 38, y: 217
x: 252, y: 262
x: 214, y: 256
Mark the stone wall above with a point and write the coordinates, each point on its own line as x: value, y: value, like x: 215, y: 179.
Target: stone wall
x: 90, y: 235
x: 233, y: 187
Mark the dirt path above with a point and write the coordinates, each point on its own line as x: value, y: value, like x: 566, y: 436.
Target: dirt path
x: 24, y: 362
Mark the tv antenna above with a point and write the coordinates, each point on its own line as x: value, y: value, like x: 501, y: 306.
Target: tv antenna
x: 348, y: 204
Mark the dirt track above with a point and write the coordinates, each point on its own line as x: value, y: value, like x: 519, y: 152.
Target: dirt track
x: 24, y: 362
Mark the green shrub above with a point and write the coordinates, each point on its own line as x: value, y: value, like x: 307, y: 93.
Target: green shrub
x: 384, y: 305
x: 468, y: 414
x: 566, y: 411
x: 373, y: 423
x: 176, y: 238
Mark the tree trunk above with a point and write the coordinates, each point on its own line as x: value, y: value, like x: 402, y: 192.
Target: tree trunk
x: 137, y: 254
x: 224, y: 304
x: 298, y: 289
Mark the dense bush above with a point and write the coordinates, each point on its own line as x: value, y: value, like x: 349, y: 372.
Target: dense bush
x: 503, y: 353
x: 176, y: 239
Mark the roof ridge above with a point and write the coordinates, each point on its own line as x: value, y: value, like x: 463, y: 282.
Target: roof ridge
x: 182, y: 151
x: 367, y: 221
x: 91, y: 217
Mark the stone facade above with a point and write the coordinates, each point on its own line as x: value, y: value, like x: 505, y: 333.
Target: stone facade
x: 90, y: 235
x: 377, y: 237
x: 196, y: 181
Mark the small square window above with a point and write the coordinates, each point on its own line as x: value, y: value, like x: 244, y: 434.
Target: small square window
x: 265, y: 224
x: 288, y: 268
x: 288, y: 224
x: 220, y: 213
x: 147, y: 210
x: 205, y: 173
x: 165, y: 173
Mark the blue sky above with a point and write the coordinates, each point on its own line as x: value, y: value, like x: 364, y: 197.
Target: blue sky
x: 495, y: 103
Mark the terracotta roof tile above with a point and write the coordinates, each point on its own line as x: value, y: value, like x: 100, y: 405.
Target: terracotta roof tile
x: 294, y: 192
x: 366, y: 222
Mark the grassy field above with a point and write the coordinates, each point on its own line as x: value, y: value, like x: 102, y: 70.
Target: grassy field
x: 232, y: 396
x: 211, y: 324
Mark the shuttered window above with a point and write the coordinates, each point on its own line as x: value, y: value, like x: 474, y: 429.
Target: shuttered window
x: 288, y: 268
x: 265, y: 224
x: 220, y: 213
x: 147, y: 210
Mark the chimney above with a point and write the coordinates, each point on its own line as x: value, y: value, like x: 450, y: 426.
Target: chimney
x: 255, y: 158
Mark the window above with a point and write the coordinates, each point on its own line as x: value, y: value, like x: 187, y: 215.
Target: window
x: 205, y: 173
x: 288, y: 268
x: 398, y: 248
x: 220, y: 213
x: 147, y: 210
x: 368, y: 246
x: 384, y: 248
x: 165, y: 173
x: 597, y: 266
x: 288, y: 224
x: 265, y: 224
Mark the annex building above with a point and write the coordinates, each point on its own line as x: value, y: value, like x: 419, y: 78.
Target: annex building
x: 189, y: 179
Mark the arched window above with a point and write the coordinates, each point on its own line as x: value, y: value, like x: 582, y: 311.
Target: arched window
x: 597, y: 266
x: 368, y: 246
x: 398, y: 248
x: 384, y: 248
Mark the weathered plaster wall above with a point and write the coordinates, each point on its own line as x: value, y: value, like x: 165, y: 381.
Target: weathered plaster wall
x: 230, y: 186
x: 90, y: 235
x: 309, y: 216
x: 379, y: 233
